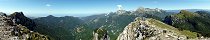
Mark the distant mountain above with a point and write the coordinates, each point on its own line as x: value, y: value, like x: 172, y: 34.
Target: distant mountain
x: 152, y: 13
x: 185, y: 20
x: 191, y: 10
x: 32, y: 17
x: 114, y: 22
x: 12, y: 28
x: 59, y: 28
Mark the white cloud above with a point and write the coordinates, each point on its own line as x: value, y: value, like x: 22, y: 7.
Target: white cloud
x: 119, y: 7
x: 48, y: 5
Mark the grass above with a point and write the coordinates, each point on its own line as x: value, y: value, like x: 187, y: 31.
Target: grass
x: 186, y: 14
x: 187, y: 33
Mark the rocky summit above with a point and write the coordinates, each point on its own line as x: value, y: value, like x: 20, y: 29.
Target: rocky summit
x: 151, y: 29
x: 9, y: 30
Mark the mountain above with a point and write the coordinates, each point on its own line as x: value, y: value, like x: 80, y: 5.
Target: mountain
x: 143, y: 23
x: 107, y: 23
x: 59, y: 28
x: 156, y: 13
x: 20, y: 18
x: 114, y: 22
x: 196, y: 22
x: 191, y: 10
x: 11, y: 30
x: 151, y: 29
x: 111, y: 22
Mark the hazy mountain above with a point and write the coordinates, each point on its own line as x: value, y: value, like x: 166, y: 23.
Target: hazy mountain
x: 191, y: 10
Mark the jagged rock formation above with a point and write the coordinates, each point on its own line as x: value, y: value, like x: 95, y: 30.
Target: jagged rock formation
x: 20, y: 18
x: 151, y: 29
x: 9, y: 30
x: 100, y: 34
x: 148, y: 10
x: 156, y: 13
x: 121, y: 11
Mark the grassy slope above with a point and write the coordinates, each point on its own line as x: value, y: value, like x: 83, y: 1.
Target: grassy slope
x: 168, y: 27
x: 186, y: 20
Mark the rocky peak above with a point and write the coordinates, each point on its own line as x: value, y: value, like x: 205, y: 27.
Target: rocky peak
x: 18, y: 14
x: 50, y: 16
x: 151, y: 29
x: 9, y: 30
x: 2, y: 14
x: 121, y: 11
x: 143, y: 10
x: 20, y: 18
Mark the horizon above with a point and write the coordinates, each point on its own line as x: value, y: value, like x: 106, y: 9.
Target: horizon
x: 40, y: 8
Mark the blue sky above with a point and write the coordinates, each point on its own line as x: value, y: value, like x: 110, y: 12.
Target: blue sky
x: 84, y: 7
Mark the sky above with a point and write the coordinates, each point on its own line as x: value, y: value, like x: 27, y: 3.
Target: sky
x: 87, y: 7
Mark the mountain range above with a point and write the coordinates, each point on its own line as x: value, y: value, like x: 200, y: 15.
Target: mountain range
x: 141, y: 24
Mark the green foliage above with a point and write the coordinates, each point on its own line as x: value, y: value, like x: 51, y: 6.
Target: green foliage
x: 59, y: 28
x: 196, y: 22
x: 85, y: 34
x: 113, y: 23
x: 189, y: 34
x: 100, y: 32
x: 31, y: 35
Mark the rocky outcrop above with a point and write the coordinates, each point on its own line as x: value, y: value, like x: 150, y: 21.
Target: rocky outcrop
x: 100, y: 34
x: 9, y: 30
x: 151, y: 29
x: 20, y: 18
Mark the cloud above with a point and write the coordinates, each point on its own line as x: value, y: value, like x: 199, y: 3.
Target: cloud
x: 119, y: 7
x: 48, y: 5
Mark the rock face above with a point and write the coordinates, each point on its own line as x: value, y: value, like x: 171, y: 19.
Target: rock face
x: 100, y: 34
x: 19, y: 18
x: 151, y: 29
x: 9, y: 30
